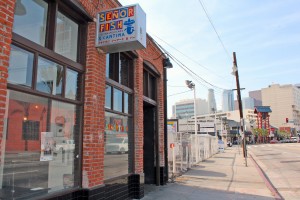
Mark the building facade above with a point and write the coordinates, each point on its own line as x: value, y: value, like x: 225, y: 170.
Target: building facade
x: 227, y: 101
x: 76, y: 122
x: 284, y: 101
x: 185, y: 108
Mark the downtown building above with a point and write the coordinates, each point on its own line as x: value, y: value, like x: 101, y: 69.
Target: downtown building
x: 184, y: 109
x: 212, y: 105
x: 284, y: 100
x: 67, y: 107
x: 227, y: 101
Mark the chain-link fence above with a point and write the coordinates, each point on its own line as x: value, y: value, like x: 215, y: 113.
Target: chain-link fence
x: 186, y: 150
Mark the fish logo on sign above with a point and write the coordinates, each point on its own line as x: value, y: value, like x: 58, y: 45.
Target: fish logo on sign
x: 129, y: 29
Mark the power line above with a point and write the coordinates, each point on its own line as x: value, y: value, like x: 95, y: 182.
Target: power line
x: 192, y: 74
x: 214, y: 73
x: 179, y: 93
x: 175, y: 86
x: 212, y: 24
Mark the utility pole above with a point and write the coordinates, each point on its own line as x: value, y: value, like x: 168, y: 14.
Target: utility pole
x: 235, y: 70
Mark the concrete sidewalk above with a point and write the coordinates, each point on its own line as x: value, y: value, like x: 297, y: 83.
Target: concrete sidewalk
x: 224, y: 176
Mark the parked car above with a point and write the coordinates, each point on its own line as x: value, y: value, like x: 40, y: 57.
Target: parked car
x: 65, y: 145
x: 116, y: 145
x: 294, y: 139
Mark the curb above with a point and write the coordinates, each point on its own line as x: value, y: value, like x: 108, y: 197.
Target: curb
x: 267, y: 181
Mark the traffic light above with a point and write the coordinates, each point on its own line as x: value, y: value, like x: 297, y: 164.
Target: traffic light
x: 287, y: 120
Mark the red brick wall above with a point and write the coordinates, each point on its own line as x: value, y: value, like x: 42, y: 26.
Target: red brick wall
x: 6, y: 23
x: 93, y: 126
x: 138, y: 116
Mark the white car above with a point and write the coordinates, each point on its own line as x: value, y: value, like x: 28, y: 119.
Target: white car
x: 65, y: 145
x: 294, y: 139
x: 117, y: 145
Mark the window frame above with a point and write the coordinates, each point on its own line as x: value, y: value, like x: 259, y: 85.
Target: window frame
x: 148, y: 85
x: 114, y: 82
x: 114, y: 68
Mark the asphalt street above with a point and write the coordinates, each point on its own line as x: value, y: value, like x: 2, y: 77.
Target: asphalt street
x: 281, y: 164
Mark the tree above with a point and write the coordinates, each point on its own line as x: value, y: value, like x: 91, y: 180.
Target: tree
x: 261, y: 134
x: 283, y: 134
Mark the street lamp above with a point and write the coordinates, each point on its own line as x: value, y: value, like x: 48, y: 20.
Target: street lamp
x: 191, y: 85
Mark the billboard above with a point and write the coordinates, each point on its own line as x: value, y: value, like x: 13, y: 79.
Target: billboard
x: 121, y: 29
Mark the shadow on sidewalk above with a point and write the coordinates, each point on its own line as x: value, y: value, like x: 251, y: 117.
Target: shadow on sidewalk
x: 177, y: 191
x: 197, y: 172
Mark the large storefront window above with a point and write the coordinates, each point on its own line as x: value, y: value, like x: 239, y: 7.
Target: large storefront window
x: 41, y: 146
x: 118, y: 116
x: 118, y: 131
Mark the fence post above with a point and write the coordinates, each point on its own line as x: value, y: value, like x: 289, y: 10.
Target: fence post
x: 174, y: 161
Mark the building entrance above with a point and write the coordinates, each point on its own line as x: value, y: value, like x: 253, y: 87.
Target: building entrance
x: 149, y: 143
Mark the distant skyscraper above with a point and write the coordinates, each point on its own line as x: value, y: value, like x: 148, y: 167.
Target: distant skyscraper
x: 227, y: 101
x: 248, y: 103
x: 256, y: 95
x: 212, y: 107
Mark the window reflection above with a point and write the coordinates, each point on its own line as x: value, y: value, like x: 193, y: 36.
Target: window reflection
x: 108, y: 96
x: 66, y: 37
x: 71, y: 84
x: 127, y: 103
x: 118, y: 100
x: 118, y: 129
x: 20, y: 66
x: 30, y: 20
x: 41, y: 142
x: 49, y: 77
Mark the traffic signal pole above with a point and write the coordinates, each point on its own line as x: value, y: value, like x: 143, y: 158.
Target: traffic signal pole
x: 240, y: 106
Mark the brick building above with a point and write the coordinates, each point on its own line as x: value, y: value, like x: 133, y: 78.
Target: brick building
x: 76, y: 122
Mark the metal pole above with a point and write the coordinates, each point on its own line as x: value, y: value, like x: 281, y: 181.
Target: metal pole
x: 240, y: 106
x: 196, y: 133
x: 221, y: 132
x: 216, y: 132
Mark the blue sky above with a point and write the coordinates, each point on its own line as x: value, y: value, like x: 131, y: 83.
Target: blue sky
x: 265, y: 34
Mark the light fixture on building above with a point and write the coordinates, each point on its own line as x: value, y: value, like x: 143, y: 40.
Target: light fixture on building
x: 167, y: 63
x: 20, y: 8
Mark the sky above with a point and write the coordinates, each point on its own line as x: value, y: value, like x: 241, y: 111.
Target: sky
x: 265, y: 34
